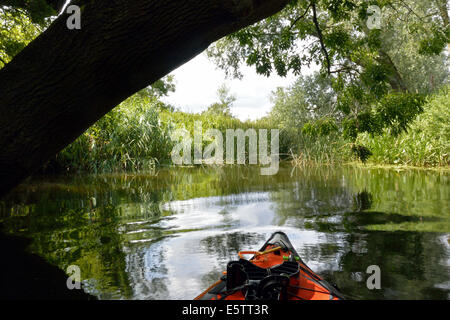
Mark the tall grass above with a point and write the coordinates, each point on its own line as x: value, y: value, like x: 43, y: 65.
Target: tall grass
x: 130, y: 137
x: 136, y: 136
x: 222, y: 123
x: 320, y: 150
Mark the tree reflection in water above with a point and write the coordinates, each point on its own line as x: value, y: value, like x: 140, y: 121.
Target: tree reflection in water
x: 169, y: 236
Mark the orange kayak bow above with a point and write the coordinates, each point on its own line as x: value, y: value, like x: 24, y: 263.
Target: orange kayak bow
x: 275, y: 272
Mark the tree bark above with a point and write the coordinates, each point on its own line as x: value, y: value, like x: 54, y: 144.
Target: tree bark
x: 443, y: 9
x: 65, y: 80
x: 394, y: 78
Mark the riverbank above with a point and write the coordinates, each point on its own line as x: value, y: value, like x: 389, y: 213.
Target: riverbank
x: 138, y: 135
x: 370, y: 165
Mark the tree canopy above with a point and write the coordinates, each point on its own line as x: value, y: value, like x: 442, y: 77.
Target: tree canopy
x: 21, y: 21
x: 379, y: 75
x: 223, y: 107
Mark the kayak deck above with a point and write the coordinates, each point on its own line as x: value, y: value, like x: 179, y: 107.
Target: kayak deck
x: 275, y: 272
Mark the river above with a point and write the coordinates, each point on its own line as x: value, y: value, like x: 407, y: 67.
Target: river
x: 169, y: 234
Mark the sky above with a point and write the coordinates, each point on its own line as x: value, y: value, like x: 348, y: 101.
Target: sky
x: 197, y: 82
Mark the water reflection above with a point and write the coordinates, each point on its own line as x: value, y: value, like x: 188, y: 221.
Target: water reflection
x: 170, y: 236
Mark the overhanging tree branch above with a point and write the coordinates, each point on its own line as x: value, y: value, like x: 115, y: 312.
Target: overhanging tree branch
x: 320, y: 36
x: 300, y: 17
x: 65, y: 80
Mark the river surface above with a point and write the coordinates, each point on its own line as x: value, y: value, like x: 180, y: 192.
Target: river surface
x: 169, y: 234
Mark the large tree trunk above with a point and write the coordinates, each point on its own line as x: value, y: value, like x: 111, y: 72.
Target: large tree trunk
x: 66, y: 80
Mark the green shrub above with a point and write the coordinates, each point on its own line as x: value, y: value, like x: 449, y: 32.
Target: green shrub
x: 130, y: 137
x: 426, y: 142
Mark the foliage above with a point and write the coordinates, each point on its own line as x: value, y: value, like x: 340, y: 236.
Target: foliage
x: 137, y: 135
x: 425, y: 144
x: 130, y: 137
x: 370, y: 70
x: 394, y: 112
x: 21, y: 21
x: 307, y: 117
x: 320, y: 150
x: 361, y: 152
x: 310, y: 97
x: 321, y: 127
x: 38, y: 11
x: 160, y: 88
x: 16, y: 31
x: 408, y: 139
x: 223, y: 107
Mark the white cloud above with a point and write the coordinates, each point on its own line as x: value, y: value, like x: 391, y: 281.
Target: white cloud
x: 198, y: 80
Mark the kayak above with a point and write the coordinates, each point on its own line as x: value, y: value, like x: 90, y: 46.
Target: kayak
x: 275, y: 272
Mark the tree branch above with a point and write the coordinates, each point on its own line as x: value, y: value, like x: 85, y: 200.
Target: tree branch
x: 299, y: 18
x: 319, y: 34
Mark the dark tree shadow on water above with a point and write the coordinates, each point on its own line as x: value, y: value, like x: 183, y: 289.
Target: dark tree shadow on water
x: 27, y: 276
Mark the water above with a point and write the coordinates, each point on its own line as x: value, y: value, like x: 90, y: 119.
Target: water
x: 169, y: 235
